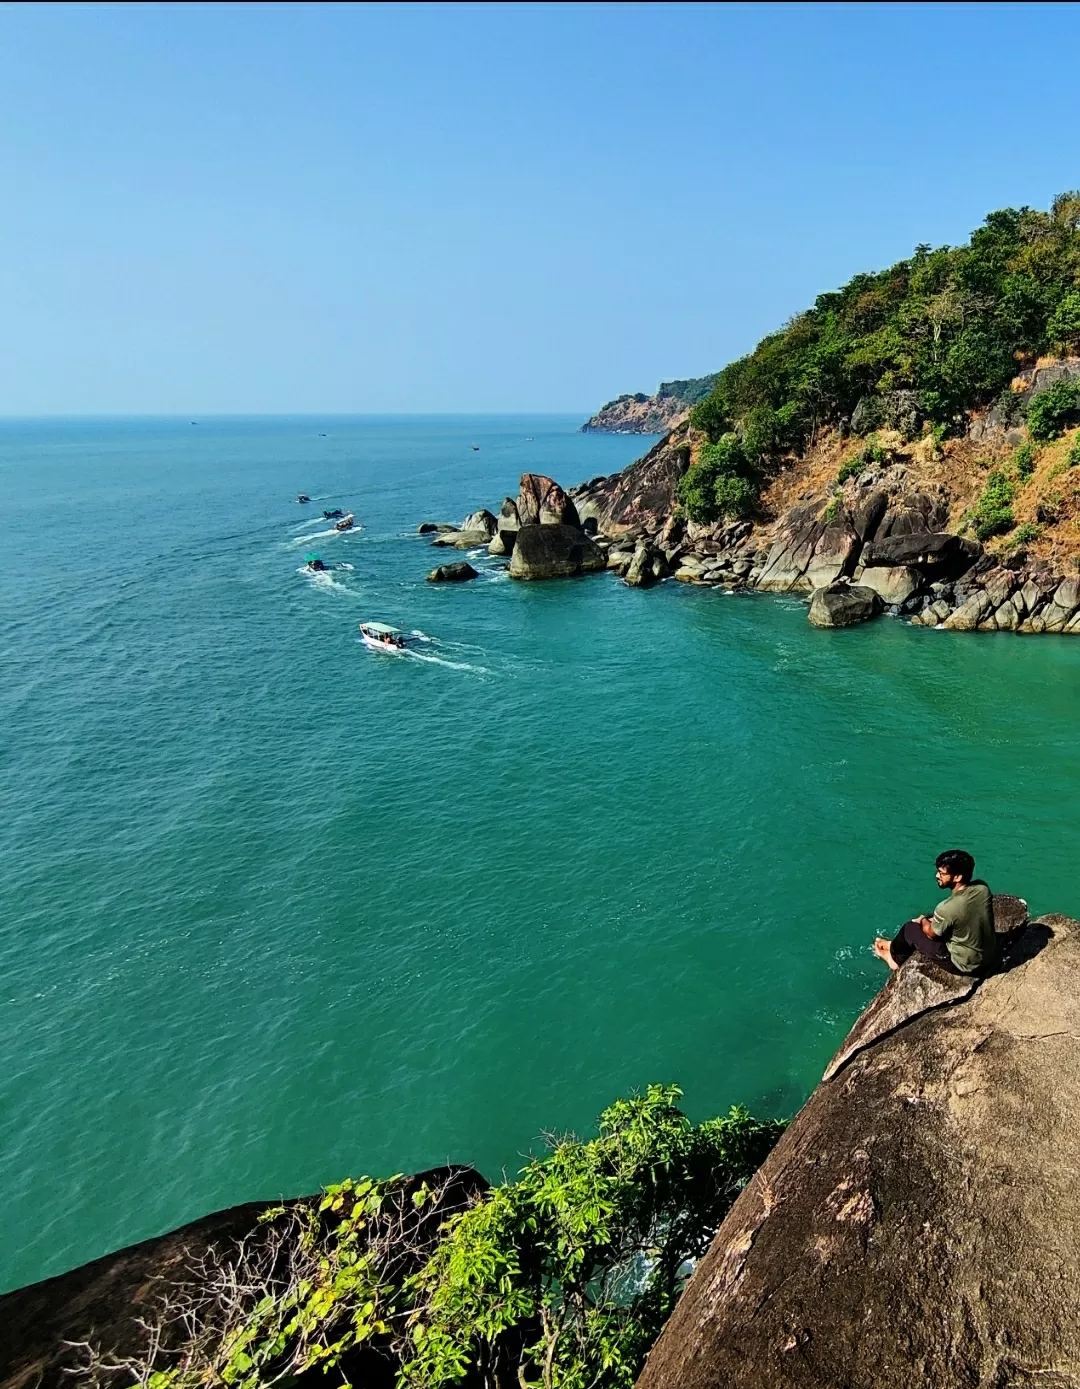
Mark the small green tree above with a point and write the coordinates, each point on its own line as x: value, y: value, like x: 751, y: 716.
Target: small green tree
x: 993, y: 514
x: 1063, y: 327
x: 564, y: 1278
x: 721, y: 484
x: 1054, y: 410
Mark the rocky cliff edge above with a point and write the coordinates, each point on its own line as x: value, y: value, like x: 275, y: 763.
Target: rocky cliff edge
x: 918, y: 1223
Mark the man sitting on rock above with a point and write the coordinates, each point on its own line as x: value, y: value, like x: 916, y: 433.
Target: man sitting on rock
x: 960, y: 936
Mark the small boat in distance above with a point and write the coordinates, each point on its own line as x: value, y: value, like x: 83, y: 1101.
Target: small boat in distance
x: 379, y: 637
x: 476, y: 448
x: 346, y: 523
x: 314, y: 565
x: 302, y: 497
x: 333, y: 513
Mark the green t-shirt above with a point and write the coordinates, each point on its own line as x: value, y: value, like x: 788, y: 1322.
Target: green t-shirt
x: 965, y: 921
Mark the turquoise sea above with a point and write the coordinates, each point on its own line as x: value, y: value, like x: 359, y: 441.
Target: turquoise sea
x: 276, y: 909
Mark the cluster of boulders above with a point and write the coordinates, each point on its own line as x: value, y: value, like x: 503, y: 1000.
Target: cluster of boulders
x: 879, y: 546
x: 539, y: 529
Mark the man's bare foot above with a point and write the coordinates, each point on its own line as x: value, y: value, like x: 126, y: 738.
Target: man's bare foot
x: 881, y: 948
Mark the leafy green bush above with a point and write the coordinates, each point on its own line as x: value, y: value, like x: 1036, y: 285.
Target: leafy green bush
x: 721, y: 484
x: 1063, y: 327
x: 1023, y: 461
x: 562, y: 1278
x: 1054, y: 410
x: 992, y: 514
x: 1023, y: 535
x: 1074, y: 452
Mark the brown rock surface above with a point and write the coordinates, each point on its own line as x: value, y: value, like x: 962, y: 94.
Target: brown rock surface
x: 918, y: 1224
x: 542, y: 502
x: 554, y: 552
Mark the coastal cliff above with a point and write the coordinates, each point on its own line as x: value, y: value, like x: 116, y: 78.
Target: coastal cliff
x: 639, y: 413
x: 914, y: 525
x: 918, y: 1223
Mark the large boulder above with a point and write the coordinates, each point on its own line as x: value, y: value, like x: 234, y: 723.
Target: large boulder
x: 453, y: 573
x: 938, y: 552
x: 646, y: 567
x: 791, y: 552
x: 507, y: 525
x: 919, y: 1222
x: 541, y: 501
x: 834, y: 554
x: 462, y: 540
x: 642, y: 495
x: 480, y: 521
x: 892, y: 583
x: 843, y: 605
x: 554, y: 552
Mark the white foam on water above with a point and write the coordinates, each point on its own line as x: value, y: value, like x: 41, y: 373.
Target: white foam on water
x: 450, y: 665
x: 324, y: 578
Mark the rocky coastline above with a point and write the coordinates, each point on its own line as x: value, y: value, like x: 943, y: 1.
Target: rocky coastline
x: 638, y: 413
x: 859, y: 538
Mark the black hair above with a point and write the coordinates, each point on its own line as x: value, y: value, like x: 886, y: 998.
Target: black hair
x: 958, y: 863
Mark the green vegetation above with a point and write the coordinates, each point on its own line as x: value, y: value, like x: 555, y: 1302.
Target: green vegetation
x: 722, y: 484
x: 1024, y: 460
x: 691, y: 391
x: 1054, y: 410
x: 1025, y: 534
x: 928, y: 339
x: 870, y: 453
x: 559, y: 1280
x: 992, y: 513
x: 1074, y: 453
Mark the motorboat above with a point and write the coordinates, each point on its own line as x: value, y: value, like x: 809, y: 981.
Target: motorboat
x: 314, y: 565
x: 379, y: 637
x: 302, y: 497
x: 333, y: 514
x: 346, y: 523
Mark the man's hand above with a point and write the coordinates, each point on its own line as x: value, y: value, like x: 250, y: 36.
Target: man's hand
x: 927, y: 928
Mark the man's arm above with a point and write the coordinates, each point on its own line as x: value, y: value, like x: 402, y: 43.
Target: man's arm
x: 927, y: 927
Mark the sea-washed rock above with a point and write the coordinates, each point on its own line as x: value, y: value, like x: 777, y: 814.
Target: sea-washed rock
x: 969, y: 614
x: 455, y: 573
x: 843, y: 605
x: 554, y: 552
x: 541, y: 501
x: 893, y: 583
x: 462, y: 540
x: 834, y: 553
x: 435, y: 527
x: 642, y: 495
x: 646, y: 567
x: 480, y: 521
x: 507, y: 525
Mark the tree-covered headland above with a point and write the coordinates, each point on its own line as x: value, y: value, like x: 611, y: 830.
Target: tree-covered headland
x: 916, y: 347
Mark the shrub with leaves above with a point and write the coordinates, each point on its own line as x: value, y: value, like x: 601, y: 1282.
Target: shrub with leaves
x: 722, y: 483
x: 993, y: 514
x: 1023, y: 461
x: 561, y: 1279
x: 565, y: 1277
x: 1054, y: 410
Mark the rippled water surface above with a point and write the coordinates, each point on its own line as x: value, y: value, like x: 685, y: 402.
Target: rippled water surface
x: 276, y: 908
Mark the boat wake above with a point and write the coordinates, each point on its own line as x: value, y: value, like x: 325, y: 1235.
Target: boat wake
x: 442, y: 661
x: 324, y: 578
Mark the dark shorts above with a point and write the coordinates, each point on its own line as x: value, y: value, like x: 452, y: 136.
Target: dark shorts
x: 910, y: 938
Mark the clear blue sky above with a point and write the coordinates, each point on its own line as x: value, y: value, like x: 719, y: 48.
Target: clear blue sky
x: 412, y: 208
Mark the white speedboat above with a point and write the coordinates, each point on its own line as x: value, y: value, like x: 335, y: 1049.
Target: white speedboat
x: 346, y: 523
x: 379, y: 637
